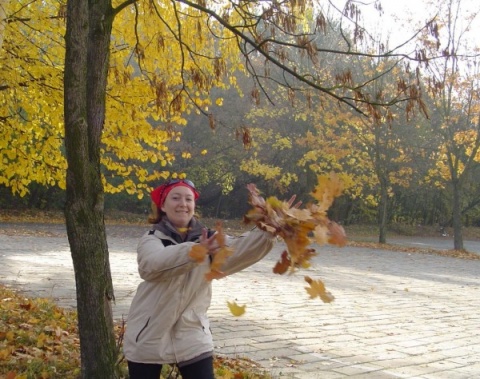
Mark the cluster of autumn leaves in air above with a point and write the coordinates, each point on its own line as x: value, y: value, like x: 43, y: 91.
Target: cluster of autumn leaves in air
x: 297, y: 227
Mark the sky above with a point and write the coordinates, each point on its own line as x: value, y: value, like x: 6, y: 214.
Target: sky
x: 401, y: 16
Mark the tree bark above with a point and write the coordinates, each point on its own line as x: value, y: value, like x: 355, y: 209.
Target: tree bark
x: 382, y: 212
x: 3, y: 4
x: 457, y: 216
x: 381, y: 170
x: 86, y: 64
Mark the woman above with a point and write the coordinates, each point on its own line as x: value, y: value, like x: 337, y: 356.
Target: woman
x: 167, y: 322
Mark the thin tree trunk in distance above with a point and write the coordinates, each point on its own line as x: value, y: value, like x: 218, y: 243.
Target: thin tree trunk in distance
x: 457, y: 217
x: 382, y: 216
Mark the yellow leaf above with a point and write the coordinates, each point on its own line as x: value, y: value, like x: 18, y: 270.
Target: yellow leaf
x: 4, y: 354
x: 236, y: 309
x: 219, y: 101
x: 317, y: 289
x: 41, y: 339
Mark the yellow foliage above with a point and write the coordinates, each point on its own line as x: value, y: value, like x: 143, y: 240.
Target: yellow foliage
x: 254, y: 167
x: 31, y: 57
x: 283, y: 143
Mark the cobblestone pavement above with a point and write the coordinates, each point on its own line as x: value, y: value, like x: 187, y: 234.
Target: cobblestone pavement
x: 395, y: 314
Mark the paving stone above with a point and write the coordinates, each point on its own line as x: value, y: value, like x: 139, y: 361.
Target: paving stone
x: 395, y: 315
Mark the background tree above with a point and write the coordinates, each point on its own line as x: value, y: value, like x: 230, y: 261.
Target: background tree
x: 31, y: 133
x: 127, y: 65
x: 453, y: 84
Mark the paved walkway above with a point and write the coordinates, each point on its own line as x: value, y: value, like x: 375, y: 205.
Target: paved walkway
x: 396, y: 315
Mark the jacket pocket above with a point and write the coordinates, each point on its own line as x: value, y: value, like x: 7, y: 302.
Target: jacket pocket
x: 141, y: 330
x: 204, y: 321
x: 192, y: 323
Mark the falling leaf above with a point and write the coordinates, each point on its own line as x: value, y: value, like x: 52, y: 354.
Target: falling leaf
x: 283, y: 264
x: 317, y: 289
x: 236, y: 309
x: 337, y: 235
x: 327, y: 189
x: 298, y: 228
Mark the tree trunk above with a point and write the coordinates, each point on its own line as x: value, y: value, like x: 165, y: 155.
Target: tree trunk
x: 382, y: 213
x: 457, y: 217
x: 86, y: 63
x: 3, y: 4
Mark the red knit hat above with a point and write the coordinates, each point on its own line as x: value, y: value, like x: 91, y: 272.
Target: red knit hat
x: 160, y: 193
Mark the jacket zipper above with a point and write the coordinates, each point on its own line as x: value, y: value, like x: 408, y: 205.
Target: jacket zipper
x: 141, y: 330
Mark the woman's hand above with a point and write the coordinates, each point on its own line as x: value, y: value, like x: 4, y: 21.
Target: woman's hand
x: 210, y: 243
x: 292, y: 199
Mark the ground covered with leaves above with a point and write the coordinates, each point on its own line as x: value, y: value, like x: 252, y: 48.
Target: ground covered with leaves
x: 39, y: 340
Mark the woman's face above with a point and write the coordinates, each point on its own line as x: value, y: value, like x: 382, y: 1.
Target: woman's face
x: 179, y: 205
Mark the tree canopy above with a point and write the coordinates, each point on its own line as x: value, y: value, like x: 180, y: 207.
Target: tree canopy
x: 165, y: 57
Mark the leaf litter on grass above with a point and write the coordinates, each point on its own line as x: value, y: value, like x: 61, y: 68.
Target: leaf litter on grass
x: 39, y: 340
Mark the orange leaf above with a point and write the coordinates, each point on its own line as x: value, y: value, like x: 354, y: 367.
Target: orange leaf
x: 317, y: 289
x: 198, y: 253
x: 304, y: 259
x: 283, y: 264
x: 214, y: 274
x: 26, y: 306
x: 220, y: 257
x: 337, y: 234
x: 220, y: 236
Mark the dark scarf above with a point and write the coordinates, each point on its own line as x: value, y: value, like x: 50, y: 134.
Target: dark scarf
x: 193, y: 235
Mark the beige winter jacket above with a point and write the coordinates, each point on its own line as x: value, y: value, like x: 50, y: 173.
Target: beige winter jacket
x: 167, y: 321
